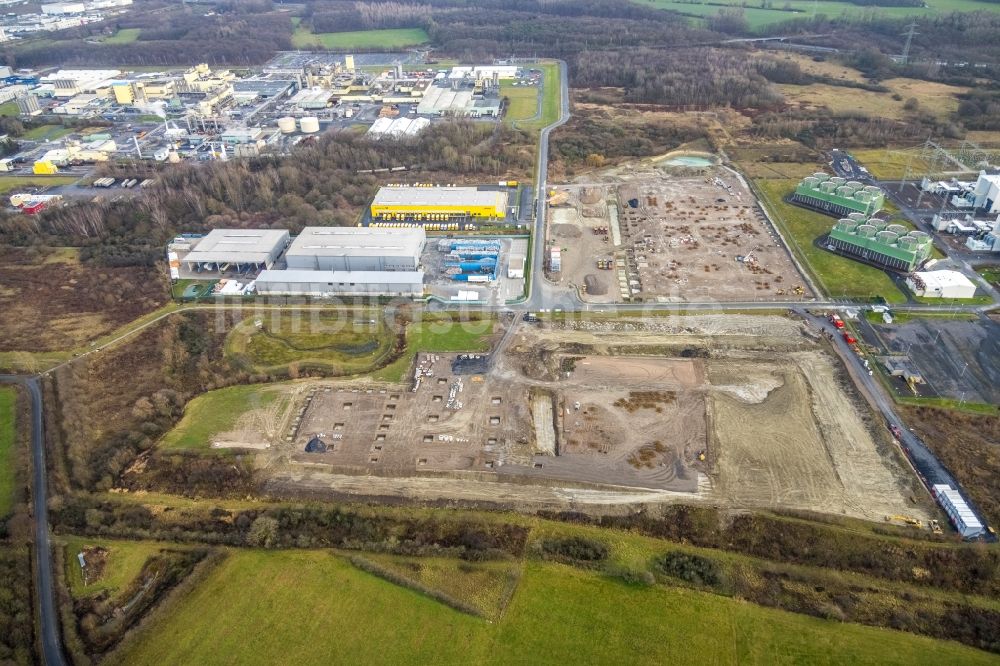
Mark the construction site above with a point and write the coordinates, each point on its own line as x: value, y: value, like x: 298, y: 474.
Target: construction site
x: 745, y: 411
x: 652, y: 236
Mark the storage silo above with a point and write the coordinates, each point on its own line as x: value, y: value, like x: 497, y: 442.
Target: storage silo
x: 309, y: 124
x: 286, y: 124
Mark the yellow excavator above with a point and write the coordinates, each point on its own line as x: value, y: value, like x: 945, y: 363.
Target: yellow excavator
x: 912, y: 522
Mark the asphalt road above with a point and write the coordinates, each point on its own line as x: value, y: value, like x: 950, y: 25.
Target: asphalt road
x: 44, y: 587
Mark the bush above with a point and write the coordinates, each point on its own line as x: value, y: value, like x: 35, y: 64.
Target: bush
x: 574, y: 550
x: 691, y: 568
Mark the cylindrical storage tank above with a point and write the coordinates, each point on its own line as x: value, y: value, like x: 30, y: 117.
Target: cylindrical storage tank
x: 309, y: 124
x: 897, y: 229
x: 867, y: 231
x: 286, y: 124
x: 886, y: 237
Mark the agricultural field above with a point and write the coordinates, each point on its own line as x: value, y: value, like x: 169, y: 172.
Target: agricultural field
x: 342, y: 343
x: 8, y: 436
x: 303, y: 38
x: 51, y: 302
x: 759, y: 17
x: 123, y: 36
x: 232, y: 417
x: 313, y: 606
x: 838, y: 277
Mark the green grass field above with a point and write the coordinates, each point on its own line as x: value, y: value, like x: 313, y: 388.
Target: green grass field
x: 838, y: 276
x: 342, y: 343
x: 759, y: 17
x: 551, y: 97
x: 303, y: 38
x: 438, y: 336
x: 522, y: 102
x: 263, y: 607
x: 123, y: 36
x: 47, y: 132
x: 124, y: 562
x: 9, y: 109
x: 216, y: 412
x: 8, y: 183
x: 8, y: 435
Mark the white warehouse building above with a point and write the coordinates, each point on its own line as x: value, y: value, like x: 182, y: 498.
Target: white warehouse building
x: 240, y: 249
x: 321, y: 283
x: 941, y: 284
x: 356, y: 249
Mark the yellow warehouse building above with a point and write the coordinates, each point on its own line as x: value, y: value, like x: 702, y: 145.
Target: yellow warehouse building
x: 438, y: 203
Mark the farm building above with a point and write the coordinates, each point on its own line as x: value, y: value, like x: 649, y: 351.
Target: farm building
x: 242, y: 249
x: 414, y: 203
x: 356, y: 249
x: 834, y: 195
x: 961, y: 515
x: 877, y: 242
x: 941, y: 284
x: 322, y: 283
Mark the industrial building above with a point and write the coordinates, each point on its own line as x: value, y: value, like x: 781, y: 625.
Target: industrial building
x: 321, y: 283
x: 962, y: 517
x: 834, y: 195
x: 941, y: 284
x: 415, y: 203
x: 390, y: 128
x: 986, y: 193
x: 356, y: 249
x: 238, y: 249
x: 877, y: 242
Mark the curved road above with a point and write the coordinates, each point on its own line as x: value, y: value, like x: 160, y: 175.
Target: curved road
x: 44, y: 587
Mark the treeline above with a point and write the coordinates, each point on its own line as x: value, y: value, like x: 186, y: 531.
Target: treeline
x: 317, y: 185
x: 823, y: 129
x: 342, y: 17
x: 179, y: 36
x: 593, y: 138
x: 694, y: 78
x: 311, y: 526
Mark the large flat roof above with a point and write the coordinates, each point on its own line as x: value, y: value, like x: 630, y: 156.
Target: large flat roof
x: 438, y: 196
x: 357, y: 242
x: 346, y: 277
x: 238, y: 246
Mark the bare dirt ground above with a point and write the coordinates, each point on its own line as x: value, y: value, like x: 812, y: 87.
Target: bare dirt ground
x: 769, y: 422
x: 662, y: 235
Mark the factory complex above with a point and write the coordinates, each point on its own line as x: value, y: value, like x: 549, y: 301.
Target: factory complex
x: 837, y: 196
x: 941, y: 284
x: 350, y: 261
x: 875, y: 241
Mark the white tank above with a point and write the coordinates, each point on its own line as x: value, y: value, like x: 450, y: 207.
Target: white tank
x: 286, y: 124
x: 309, y: 125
